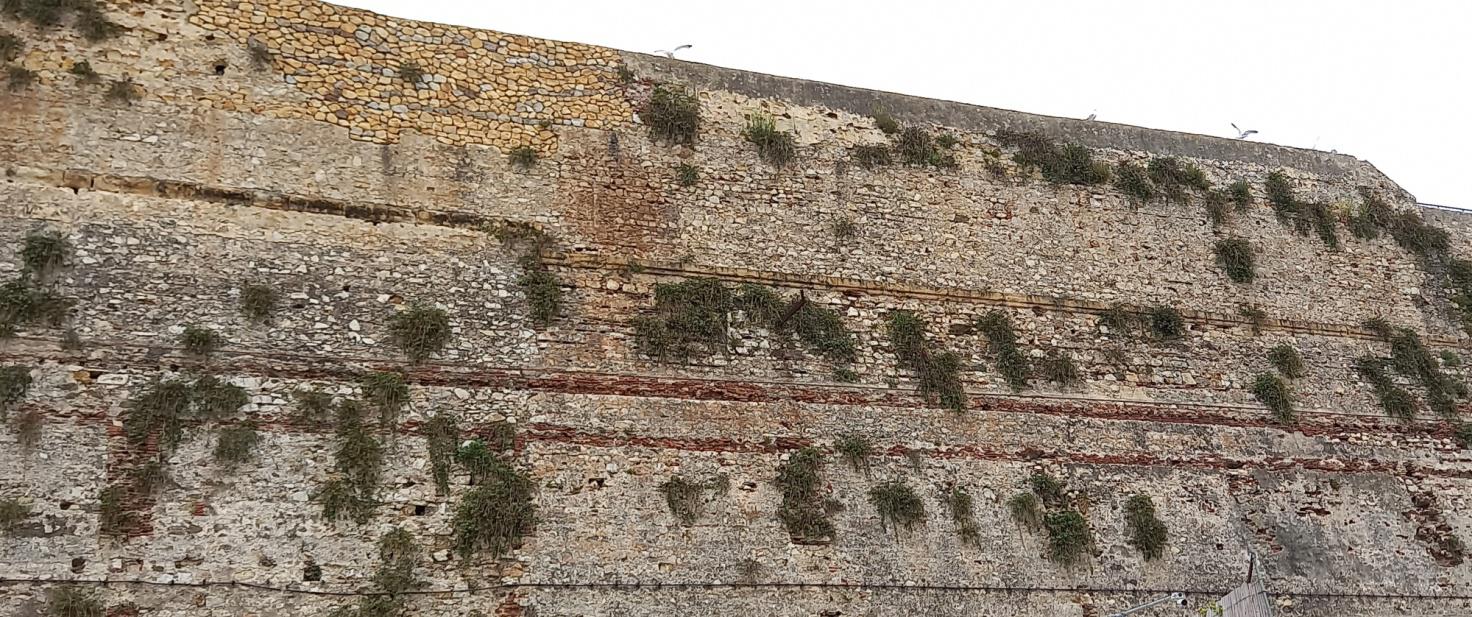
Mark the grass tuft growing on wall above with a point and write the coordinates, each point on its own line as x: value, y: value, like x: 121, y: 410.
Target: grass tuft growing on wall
x: 684, y: 498
x: 961, y: 505
x: 522, y: 157
x: 1176, y: 178
x: 898, y: 506
x: 1026, y: 511
x: 496, y: 514
x: 803, y: 511
x: 777, y: 148
x: 1236, y: 258
x: 15, y: 382
x: 258, y: 302
x: 1165, y: 322
x: 1069, y: 537
x: 672, y: 115
x: 1058, y: 367
x: 885, y: 122
x: 1134, y: 182
x: 442, y: 437
x: 420, y: 331
x: 1067, y: 164
x: 352, y: 491
x: 236, y: 445
x: 687, y: 174
x: 870, y: 156
x: 854, y: 450
x: 200, y: 341
x: 1393, y: 399
x: 1146, y: 531
x: 1273, y: 392
x: 1002, y: 341
x: 72, y: 601
x: 1287, y: 360
x: 938, y: 371
x: 12, y: 513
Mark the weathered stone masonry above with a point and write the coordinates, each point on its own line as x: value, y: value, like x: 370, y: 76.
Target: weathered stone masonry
x: 283, y: 143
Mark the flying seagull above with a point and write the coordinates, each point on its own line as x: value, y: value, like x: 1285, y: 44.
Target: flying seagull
x: 671, y: 52
x: 1241, y: 134
x: 1091, y: 117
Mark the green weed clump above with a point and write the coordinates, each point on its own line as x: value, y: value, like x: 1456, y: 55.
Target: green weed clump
x: 215, y: 399
x: 685, y: 498
x: 420, y: 331
x: 19, y: 78
x: 313, y: 406
x: 916, y: 147
x: 27, y: 426
x: 672, y: 114
x: 1002, y: 341
x: 398, y: 556
x: 12, y: 513
x: 777, y: 148
x: 1165, y: 322
x: 442, y: 437
x: 24, y: 303
x: 15, y: 382
x: 1067, y: 164
x: 692, y: 319
x: 1235, y: 256
x: 1176, y: 177
x: 352, y: 491
x: 855, y: 450
x: 543, y: 291
x: 1026, y: 511
x: 159, y: 411
x: 898, y: 506
x: 236, y: 445
x: 1134, y: 182
x: 1146, y: 531
x: 870, y: 156
x: 522, y: 157
x: 938, y: 371
x: 496, y: 514
x: 258, y: 302
x: 960, y: 504
x: 885, y: 122
x: 1410, y: 357
x: 1047, y: 488
x: 388, y: 392
x: 1303, y: 216
x: 1287, y: 360
x: 687, y: 174
x: 1058, y: 367
x: 72, y: 600
x: 1069, y: 537
x: 1394, y: 400
x: 1273, y: 392
x: 200, y: 341
x: 44, y: 253
x: 803, y: 511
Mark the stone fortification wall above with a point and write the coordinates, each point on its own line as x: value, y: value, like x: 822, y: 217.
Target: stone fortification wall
x: 364, y: 168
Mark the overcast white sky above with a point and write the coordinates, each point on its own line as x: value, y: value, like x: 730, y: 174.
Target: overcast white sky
x: 1389, y: 82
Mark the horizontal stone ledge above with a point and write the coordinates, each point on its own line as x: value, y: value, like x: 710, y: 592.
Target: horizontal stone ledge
x: 389, y: 213
x: 636, y: 585
x: 1312, y: 422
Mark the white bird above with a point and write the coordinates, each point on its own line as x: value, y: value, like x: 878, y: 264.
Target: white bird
x: 671, y: 52
x: 1241, y: 134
